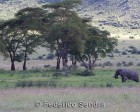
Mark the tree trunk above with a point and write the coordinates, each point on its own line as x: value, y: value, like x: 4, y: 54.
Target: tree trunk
x: 25, y: 59
x: 58, y: 63
x: 12, y: 57
x: 64, y: 54
x: 64, y: 62
x: 12, y: 66
x: 89, y: 63
x: 74, y: 61
x: 24, y: 65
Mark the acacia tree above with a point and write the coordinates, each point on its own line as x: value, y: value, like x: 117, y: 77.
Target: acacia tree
x: 98, y: 44
x: 66, y: 29
x: 3, y: 50
x: 2, y: 47
x: 33, y: 21
x: 11, y: 39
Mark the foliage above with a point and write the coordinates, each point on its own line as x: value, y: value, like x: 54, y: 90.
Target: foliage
x: 31, y: 26
x: 97, y: 45
x: 58, y: 27
x: 67, y: 30
x: 11, y: 38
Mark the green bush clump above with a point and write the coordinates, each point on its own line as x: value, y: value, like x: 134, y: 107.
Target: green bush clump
x: 86, y: 73
x: 109, y: 84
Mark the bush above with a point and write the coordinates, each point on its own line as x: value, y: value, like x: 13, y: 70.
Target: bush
x: 131, y: 47
x: 124, y: 63
x: 86, y: 73
x: 56, y: 74
x: 40, y: 58
x: 21, y: 84
x: 133, y: 50
x: 108, y: 63
x: 116, y: 51
x: 47, y: 66
x: 44, y: 55
x: 131, y: 37
x: 127, y: 64
x: 124, y: 53
x: 50, y: 56
x: 130, y: 63
x: 109, y: 84
x: 119, y: 64
x: 29, y: 84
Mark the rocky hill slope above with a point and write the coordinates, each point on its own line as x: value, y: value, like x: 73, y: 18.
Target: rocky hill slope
x: 122, y: 14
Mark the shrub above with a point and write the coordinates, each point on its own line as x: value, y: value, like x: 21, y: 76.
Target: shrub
x: 124, y: 53
x: 134, y: 51
x: 50, y: 56
x: 56, y: 74
x: 116, y: 51
x: 29, y: 84
x: 127, y: 64
x: 130, y: 63
x: 21, y: 84
x: 131, y: 37
x: 124, y: 63
x: 108, y: 63
x: 109, y: 84
x: 119, y: 64
x: 44, y: 55
x: 86, y: 73
x: 47, y: 66
x: 40, y: 58
x: 131, y: 47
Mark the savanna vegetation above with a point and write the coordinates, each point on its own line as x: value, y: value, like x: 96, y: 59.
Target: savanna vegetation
x: 71, y: 41
x: 58, y: 28
x: 61, y: 79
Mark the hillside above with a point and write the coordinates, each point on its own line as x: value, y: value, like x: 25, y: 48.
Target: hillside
x: 110, y: 14
x: 122, y: 15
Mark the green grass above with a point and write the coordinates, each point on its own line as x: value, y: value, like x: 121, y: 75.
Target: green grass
x: 102, y: 78
x: 101, y: 88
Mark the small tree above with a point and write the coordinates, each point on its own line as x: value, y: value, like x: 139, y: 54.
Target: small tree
x: 97, y: 45
x: 33, y: 21
x: 3, y: 50
x: 11, y: 39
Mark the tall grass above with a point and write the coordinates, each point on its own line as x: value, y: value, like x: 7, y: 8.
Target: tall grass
x: 114, y: 99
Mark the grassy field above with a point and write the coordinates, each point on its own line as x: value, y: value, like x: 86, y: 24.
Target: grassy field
x: 53, y: 91
x: 81, y: 100
x: 51, y: 78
